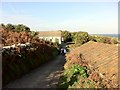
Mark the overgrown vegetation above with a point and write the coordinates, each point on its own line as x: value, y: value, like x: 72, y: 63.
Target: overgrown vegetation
x: 13, y: 34
x: 66, y: 36
x: 79, y: 73
x: 22, y: 51
x: 77, y: 76
x: 80, y: 38
x: 16, y: 64
x: 104, y: 39
x: 71, y: 76
x: 16, y: 28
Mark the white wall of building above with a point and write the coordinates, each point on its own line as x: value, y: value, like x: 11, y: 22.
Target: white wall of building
x: 53, y: 39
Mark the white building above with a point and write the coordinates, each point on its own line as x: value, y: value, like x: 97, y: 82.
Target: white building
x: 54, y: 36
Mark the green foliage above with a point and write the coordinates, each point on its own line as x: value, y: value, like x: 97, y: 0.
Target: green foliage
x: 92, y: 38
x: 77, y: 37
x: 104, y: 39
x: 80, y: 37
x: 33, y: 33
x: 21, y: 27
x: 71, y: 76
x: 76, y: 69
x: 77, y: 77
x: 100, y: 39
x: 119, y: 39
x: 56, y: 42
x: 10, y: 27
x: 66, y: 36
x: 17, y: 28
x: 2, y: 26
x: 55, y: 52
x: 115, y: 41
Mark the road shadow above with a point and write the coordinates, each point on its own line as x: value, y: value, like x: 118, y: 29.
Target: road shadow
x: 53, y: 77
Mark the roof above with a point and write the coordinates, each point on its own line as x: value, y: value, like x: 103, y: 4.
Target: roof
x: 103, y: 57
x: 49, y: 33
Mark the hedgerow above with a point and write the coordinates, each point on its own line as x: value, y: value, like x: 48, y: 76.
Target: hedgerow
x: 19, y: 60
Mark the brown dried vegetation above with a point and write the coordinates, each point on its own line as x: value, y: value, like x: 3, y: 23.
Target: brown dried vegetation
x: 101, y: 61
x: 19, y: 60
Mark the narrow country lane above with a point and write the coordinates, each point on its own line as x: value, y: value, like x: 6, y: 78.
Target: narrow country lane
x: 46, y: 76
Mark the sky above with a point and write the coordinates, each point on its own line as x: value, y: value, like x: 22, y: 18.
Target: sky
x: 91, y: 17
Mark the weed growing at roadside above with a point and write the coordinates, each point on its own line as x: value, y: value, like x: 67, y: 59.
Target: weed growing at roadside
x: 71, y: 76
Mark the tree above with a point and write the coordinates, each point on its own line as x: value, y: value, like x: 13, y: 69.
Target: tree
x: 80, y: 37
x: 21, y: 27
x: 10, y: 27
x: 17, y: 28
x: 56, y: 42
x: 66, y: 36
x: 2, y: 26
x: 33, y: 33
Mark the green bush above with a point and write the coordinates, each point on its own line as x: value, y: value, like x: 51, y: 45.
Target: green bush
x: 66, y: 36
x: 100, y: 39
x: 71, y: 76
x: 104, y: 39
x: 80, y: 37
x: 76, y: 76
x: 114, y: 41
x: 33, y: 33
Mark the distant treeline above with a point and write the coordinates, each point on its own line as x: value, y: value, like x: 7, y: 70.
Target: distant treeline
x: 17, y: 28
x: 83, y: 37
x: 13, y: 34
